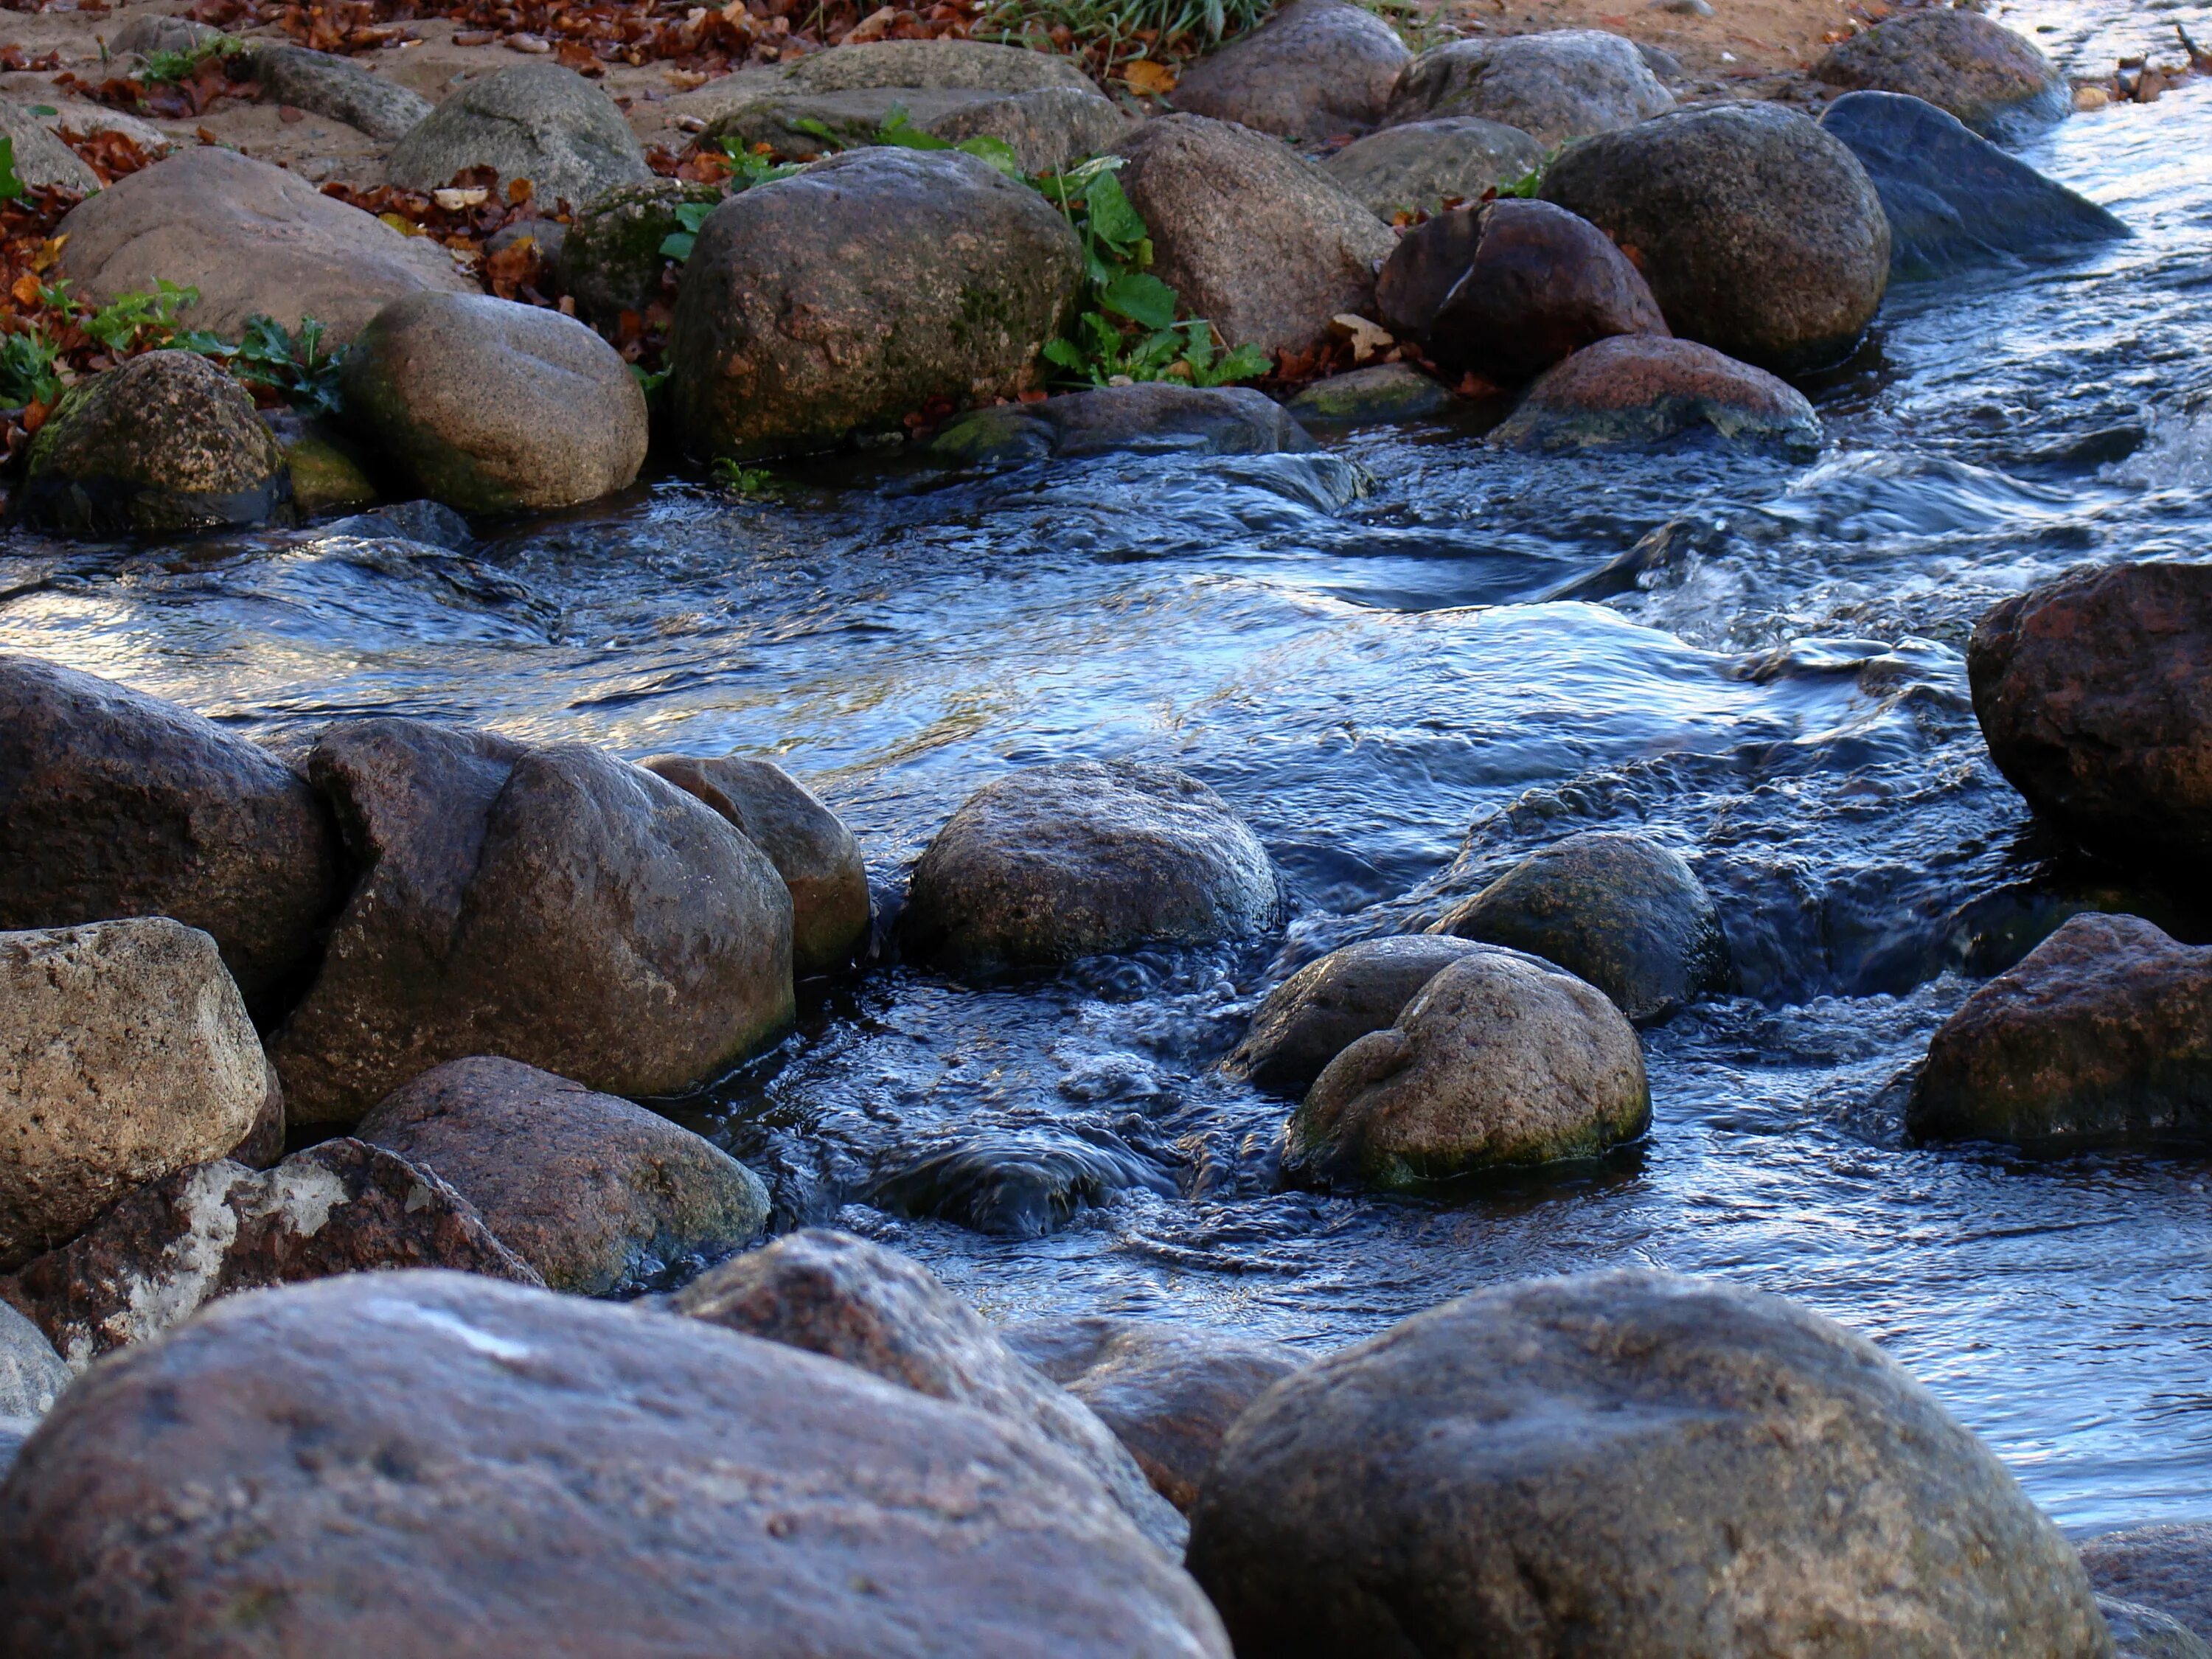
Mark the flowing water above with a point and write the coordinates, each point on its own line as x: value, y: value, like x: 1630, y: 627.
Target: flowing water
x: 1354, y: 648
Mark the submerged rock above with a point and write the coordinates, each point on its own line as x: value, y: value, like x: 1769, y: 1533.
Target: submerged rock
x: 1644, y: 388
x: 1158, y: 417
x: 2168, y: 1568
x: 1317, y: 68
x: 31, y: 1375
x: 1363, y: 396
x: 1555, y: 86
x: 340, y: 88
x: 1327, y: 1006
x: 540, y: 122
x: 1420, y: 166
x: 1997, y: 82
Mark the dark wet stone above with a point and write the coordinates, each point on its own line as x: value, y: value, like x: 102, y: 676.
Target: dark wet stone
x: 1554, y: 86
x: 611, y: 259
x: 433, y: 524
x: 2138, y: 1633
x: 1368, y: 397
x: 1995, y: 82
x: 537, y: 121
x: 1019, y: 1188
x: 340, y: 88
x: 1317, y: 68
x: 1327, y: 1006
x: 1152, y: 418
x: 2166, y: 1567
x: 1421, y: 166
x: 1645, y: 389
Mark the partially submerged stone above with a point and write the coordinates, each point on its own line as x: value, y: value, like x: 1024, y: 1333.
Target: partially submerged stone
x: 1554, y: 86
x: 1997, y: 82
x: 1425, y: 166
x: 1317, y: 68
x: 1329, y: 1003
x: 1157, y: 418
x: 1646, y: 389
x: 1367, y: 396
x: 541, y: 122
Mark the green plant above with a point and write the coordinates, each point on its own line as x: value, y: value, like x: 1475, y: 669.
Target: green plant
x: 898, y: 129
x: 133, y: 322
x: 752, y: 482
x: 297, y: 366
x: 29, y: 369
x: 1525, y: 186
x: 164, y: 68
x: 10, y: 185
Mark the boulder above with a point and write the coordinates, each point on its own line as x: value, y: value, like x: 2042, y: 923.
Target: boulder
x: 834, y: 1294
x: 818, y: 857
x: 1760, y: 235
x: 595, y: 1193
x: 1317, y: 68
x: 536, y: 121
x: 1328, y: 1005
x: 1613, y: 908
x: 2140, y: 1632
x: 162, y: 444
x: 972, y: 65
x: 1955, y: 200
x: 1366, y: 397
x: 611, y: 259
x: 1997, y: 82
x: 1160, y: 417
x: 2166, y: 1567
x: 116, y: 804
x: 340, y: 88
x: 1562, y: 84
x: 2095, y: 694
x: 254, y: 239
x: 31, y: 1375
x: 1260, y: 244
x: 340, y: 1207
x: 1498, y: 1063
x: 148, y: 33
x: 1424, y: 167
x: 492, y: 406
x: 1507, y: 290
x: 1048, y: 127
x: 1621, y: 1465
x: 2104, y: 1029
x: 436, y: 1463
x: 850, y: 295
x: 552, y: 905
x: 39, y: 157
x: 1056, y: 862
x: 1644, y: 389
x: 1169, y: 1392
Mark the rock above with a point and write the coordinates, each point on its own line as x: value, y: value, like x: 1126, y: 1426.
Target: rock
x: 1169, y: 1392
x: 536, y: 121
x: 553, y: 905
x: 14, y: 1432
x: 254, y: 239
x: 163, y: 444
x: 1256, y: 241
x: 1048, y: 128
x: 1612, y: 908
x: 2103, y: 1029
x: 1997, y: 82
x: 818, y: 857
x: 964, y: 64
x: 1955, y: 200
x: 492, y: 406
x: 1507, y: 290
x: 1317, y: 68
x: 852, y: 294
x: 834, y: 1294
x: 2140, y: 1633
x: 1499, y: 1061
x: 41, y: 158
x: 125, y: 1054
x: 1643, y: 389
x: 31, y: 1375
x: 2095, y: 694
x: 2166, y: 1568
x: 116, y: 804
x: 1367, y: 396
x: 341, y: 88
x: 340, y: 1207
x: 429, y: 524
x: 1056, y: 862
x: 1156, y: 417
x: 1423, y: 166
x: 1619, y: 1465
x: 599, y: 1195
x: 611, y: 259
x: 1328, y: 1005
x: 1562, y: 84
x: 143, y: 36
x: 327, y: 471
x: 438, y: 1463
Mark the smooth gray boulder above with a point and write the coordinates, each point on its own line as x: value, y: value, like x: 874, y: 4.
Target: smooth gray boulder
x: 1421, y: 166
x: 1556, y: 86
x: 340, y: 88
x: 974, y: 65
x: 1317, y: 68
x: 40, y: 157
x: 536, y: 121
x: 1997, y: 82
x: 1154, y: 419
x: 1331, y: 1003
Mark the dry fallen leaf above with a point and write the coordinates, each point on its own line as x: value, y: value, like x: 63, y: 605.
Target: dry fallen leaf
x: 1367, y: 339
x: 453, y: 200
x: 1149, y: 79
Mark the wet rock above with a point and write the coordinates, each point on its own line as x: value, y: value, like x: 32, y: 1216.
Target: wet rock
x: 1367, y: 396
x: 971, y: 64
x: 1499, y: 1061
x: 852, y: 294
x: 611, y: 259
x: 493, y: 406
x: 2166, y: 1568
x: 1317, y: 68
x: 116, y: 804
x: 2138, y: 1633
x: 1169, y: 1392
x: 253, y: 239
x: 1016, y: 1186
x: 1997, y: 82
x: 416, y: 1459
x: 340, y: 88
x: 1612, y: 908
x: 1760, y: 235
x: 818, y: 857
x: 41, y: 158
x: 125, y: 1054
x: 2103, y: 1029
x: 1328, y: 1005
x: 31, y: 1375
x: 1056, y: 862
x: 326, y: 471
x: 1562, y: 84
x: 553, y: 905
x: 598, y: 1194
x: 2095, y: 694
x: 430, y: 524
x: 1157, y: 418
x: 1643, y: 389
x: 1509, y: 288
x: 834, y: 1294
x: 1620, y: 1464
x: 1048, y: 127
x: 1255, y: 240
x: 1419, y: 166
x: 1955, y: 200
x: 536, y: 121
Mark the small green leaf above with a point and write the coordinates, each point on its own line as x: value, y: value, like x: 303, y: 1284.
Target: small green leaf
x: 997, y: 151
x: 10, y: 185
x: 677, y: 244
x: 1144, y: 300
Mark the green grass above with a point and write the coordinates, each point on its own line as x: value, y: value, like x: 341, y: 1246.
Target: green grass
x: 1114, y: 25
x: 165, y: 67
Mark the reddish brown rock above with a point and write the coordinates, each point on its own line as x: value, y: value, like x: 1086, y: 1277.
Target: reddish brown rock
x: 1639, y: 388
x: 2168, y: 1568
x: 1317, y: 68
x: 1997, y: 82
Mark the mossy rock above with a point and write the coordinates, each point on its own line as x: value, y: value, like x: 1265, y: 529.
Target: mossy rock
x: 611, y: 259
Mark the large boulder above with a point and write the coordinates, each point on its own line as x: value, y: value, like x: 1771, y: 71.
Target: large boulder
x: 2095, y: 694
x: 116, y: 804
x: 39, y: 156
x: 1156, y: 417
x: 1622, y: 1465
x: 1255, y: 240
x: 419, y: 1464
x: 1317, y: 68
x: 1563, y: 84
x: 972, y: 65
x: 1997, y: 82
x: 340, y: 88
x: 1500, y: 1061
x: 1056, y: 862
x: 1328, y: 1005
x: 850, y: 295
x: 552, y: 905
x: 1760, y: 235
x: 492, y: 406
x: 125, y: 1054
x: 2165, y: 1566
x: 253, y: 239
x: 1047, y: 128
x: 31, y: 1375
x: 1420, y: 166
x: 598, y: 1194
x: 1645, y: 389
x: 834, y: 1294
x: 611, y: 259
x: 536, y: 121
